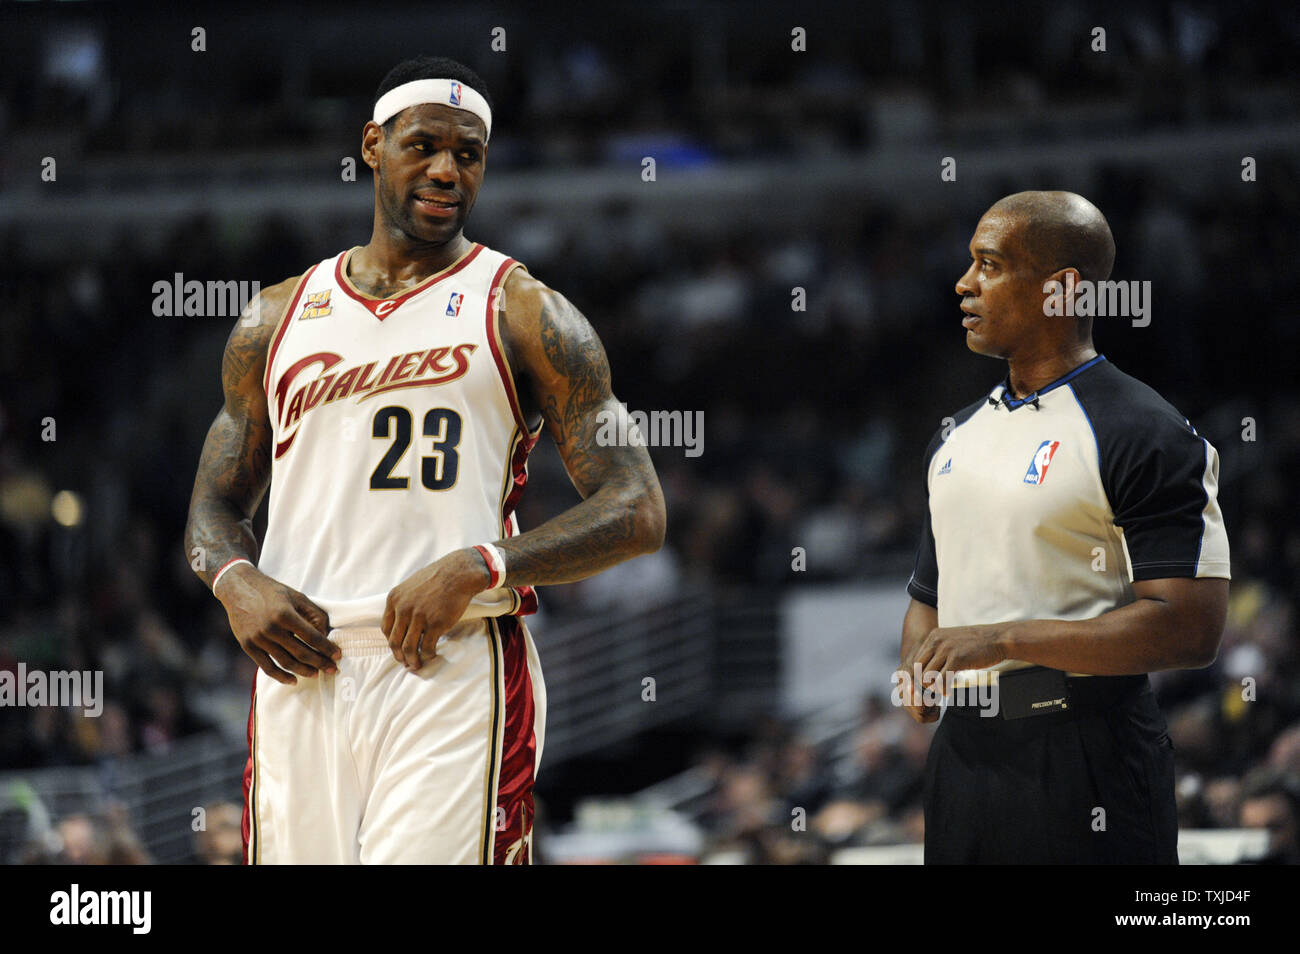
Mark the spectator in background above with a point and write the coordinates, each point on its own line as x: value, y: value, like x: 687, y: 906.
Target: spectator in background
x: 1271, y: 801
x: 82, y: 842
x: 220, y: 840
x: 104, y: 839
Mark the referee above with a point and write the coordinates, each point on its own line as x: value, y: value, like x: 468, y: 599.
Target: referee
x: 1073, y: 543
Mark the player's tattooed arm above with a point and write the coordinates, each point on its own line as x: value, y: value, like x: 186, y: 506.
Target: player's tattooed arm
x: 278, y: 627
x: 235, y: 466
x: 562, y: 371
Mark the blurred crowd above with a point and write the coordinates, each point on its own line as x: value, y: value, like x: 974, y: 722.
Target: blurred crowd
x: 106, y: 836
x: 815, y: 420
x: 700, y: 81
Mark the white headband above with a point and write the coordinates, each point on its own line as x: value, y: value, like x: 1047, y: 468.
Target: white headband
x: 446, y: 92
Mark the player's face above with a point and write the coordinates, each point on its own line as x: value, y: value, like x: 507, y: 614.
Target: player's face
x: 430, y: 169
x: 1002, y: 296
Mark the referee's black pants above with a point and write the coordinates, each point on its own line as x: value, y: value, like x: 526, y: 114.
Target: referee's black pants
x: 1091, y: 785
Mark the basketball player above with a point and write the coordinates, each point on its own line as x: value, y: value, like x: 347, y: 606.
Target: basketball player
x: 1073, y: 543
x: 390, y: 396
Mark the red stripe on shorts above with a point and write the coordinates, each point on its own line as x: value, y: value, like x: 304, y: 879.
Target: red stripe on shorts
x: 518, y: 748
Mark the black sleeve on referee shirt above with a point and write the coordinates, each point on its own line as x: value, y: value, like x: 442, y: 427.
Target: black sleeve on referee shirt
x: 924, y: 584
x: 1153, y: 468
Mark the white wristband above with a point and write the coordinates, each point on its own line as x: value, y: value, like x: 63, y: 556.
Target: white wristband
x: 496, y: 564
x: 222, y: 572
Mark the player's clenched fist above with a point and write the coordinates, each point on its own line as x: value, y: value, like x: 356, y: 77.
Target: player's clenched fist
x: 279, y: 628
x: 428, y: 603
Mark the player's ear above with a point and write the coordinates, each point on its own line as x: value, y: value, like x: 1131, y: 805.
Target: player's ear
x: 372, y: 138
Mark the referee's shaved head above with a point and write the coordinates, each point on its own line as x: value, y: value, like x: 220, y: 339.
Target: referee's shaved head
x: 1061, y: 230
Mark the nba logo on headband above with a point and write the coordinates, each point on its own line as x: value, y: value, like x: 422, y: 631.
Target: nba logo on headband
x: 447, y: 92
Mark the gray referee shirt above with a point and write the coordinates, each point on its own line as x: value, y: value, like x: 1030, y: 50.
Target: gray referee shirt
x: 1052, y: 506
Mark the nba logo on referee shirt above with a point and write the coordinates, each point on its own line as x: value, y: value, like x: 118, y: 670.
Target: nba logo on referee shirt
x: 453, y: 304
x: 455, y: 93
x: 1038, y: 465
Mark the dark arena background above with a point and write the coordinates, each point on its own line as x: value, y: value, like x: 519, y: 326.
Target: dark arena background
x: 763, y: 209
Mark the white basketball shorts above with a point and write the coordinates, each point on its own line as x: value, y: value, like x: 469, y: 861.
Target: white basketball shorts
x: 379, y: 765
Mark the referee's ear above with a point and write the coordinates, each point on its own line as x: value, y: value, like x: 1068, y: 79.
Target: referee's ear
x: 1069, y: 276
x: 1063, y: 282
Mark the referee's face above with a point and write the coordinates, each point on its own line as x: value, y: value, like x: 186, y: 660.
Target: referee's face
x: 1002, y: 291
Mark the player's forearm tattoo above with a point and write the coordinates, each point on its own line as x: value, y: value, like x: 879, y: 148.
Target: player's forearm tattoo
x: 622, y: 513
x: 235, y: 466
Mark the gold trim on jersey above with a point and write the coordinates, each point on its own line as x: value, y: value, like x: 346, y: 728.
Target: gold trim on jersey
x: 254, y: 838
x: 508, y: 379
x: 507, y: 484
x: 421, y: 285
x: 492, y: 779
x: 507, y: 481
x: 289, y: 309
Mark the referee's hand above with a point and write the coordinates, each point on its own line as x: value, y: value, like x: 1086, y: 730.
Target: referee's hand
x: 951, y: 649
x: 912, y: 696
x: 922, y: 713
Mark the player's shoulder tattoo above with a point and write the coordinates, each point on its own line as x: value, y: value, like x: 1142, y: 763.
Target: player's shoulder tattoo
x: 557, y: 344
x: 249, y: 340
x: 574, y: 352
x: 566, y: 365
x: 539, y: 313
x: 570, y: 342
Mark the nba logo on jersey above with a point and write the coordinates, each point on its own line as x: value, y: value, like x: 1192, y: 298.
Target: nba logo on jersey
x: 1042, y: 457
x: 455, y: 93
x: 453, y: 304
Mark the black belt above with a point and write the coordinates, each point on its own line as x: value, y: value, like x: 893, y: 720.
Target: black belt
x: 1038, y: 691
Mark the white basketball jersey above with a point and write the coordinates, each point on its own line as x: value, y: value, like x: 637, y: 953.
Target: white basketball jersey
x: 397, y: 435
